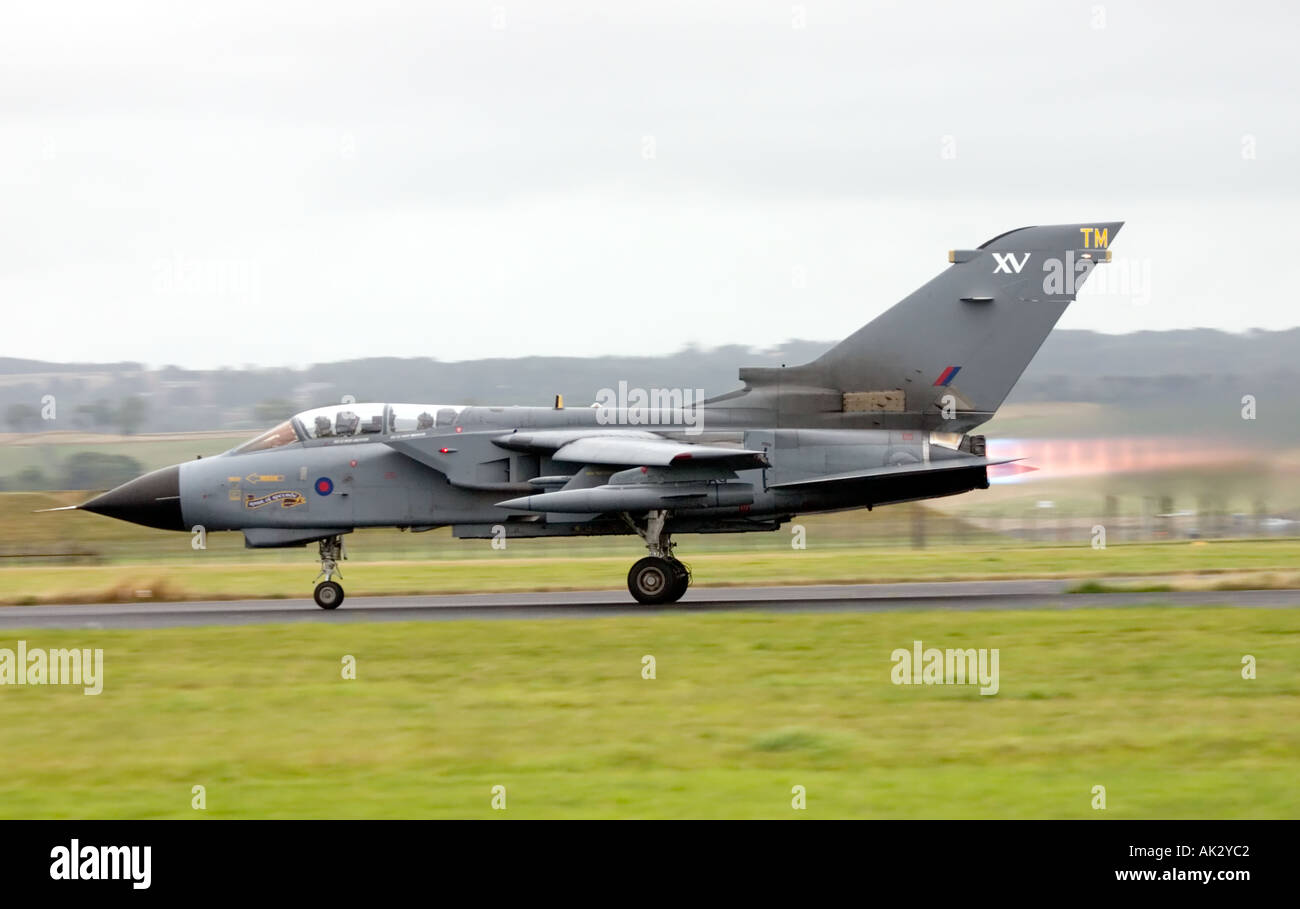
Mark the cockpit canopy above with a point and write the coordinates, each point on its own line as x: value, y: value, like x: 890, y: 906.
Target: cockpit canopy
x: 355, y: 419
x: 342, y: 420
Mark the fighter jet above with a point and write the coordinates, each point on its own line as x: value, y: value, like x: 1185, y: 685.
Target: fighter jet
x: 885, y: 416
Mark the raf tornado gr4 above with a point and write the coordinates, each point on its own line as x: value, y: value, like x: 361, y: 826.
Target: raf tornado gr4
x: 882, y: 417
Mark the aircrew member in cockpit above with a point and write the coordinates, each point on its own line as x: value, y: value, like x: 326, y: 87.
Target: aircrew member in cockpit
x: 345, y: 424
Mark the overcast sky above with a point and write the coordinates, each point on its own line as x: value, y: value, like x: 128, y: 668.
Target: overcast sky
x: 285, y: 183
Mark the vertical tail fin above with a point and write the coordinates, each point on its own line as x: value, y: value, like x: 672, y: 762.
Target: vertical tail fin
x: 968, y: 333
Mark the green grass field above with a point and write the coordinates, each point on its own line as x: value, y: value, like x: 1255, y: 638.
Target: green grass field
x: 1148, y: 702
x: 1261, y: 563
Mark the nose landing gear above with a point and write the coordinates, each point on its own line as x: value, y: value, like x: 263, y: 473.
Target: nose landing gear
x: 658, y: 578
x: 329, y: 593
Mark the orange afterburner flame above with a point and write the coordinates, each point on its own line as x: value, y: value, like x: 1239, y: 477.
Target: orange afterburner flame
x: 1060, y: 458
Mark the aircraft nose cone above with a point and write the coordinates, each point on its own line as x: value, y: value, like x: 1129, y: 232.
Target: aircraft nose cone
x: 153, y: 500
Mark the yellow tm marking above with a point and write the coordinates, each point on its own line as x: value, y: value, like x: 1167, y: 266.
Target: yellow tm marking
x: 1100, y: 235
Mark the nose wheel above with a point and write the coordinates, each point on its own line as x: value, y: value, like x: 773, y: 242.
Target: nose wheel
x: 329, y: 593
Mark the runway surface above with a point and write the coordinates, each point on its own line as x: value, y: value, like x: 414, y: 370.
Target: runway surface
x: 592, y: 604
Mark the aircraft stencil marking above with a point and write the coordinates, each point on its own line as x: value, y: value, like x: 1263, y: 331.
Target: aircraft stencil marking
x: 1007, y: 263
x: 288, y: 498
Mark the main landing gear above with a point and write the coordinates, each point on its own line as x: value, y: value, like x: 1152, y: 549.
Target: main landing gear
x: 329, y: 594
x: 658, y: 578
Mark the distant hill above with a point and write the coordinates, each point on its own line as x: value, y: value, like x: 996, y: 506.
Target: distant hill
x: 1188, y: 380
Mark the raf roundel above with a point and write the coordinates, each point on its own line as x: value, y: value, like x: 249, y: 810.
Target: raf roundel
x: 324, y: 486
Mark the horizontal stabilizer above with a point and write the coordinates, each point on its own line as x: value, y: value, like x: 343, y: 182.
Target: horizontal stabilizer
x: 900, y: 470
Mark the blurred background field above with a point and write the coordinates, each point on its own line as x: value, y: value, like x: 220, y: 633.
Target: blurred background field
x: 1148, y: 702
x: 1166, y: 509
x: 1140, y: 435
x: 1139, y: 489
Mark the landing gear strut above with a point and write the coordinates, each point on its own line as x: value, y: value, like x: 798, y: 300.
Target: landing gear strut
x: 329, y: 594
x: 659, y: 577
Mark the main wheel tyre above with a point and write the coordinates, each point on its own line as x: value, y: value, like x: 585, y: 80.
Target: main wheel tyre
x: 652, y: 581
x: 681, y: 580
x: 328, y: 595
